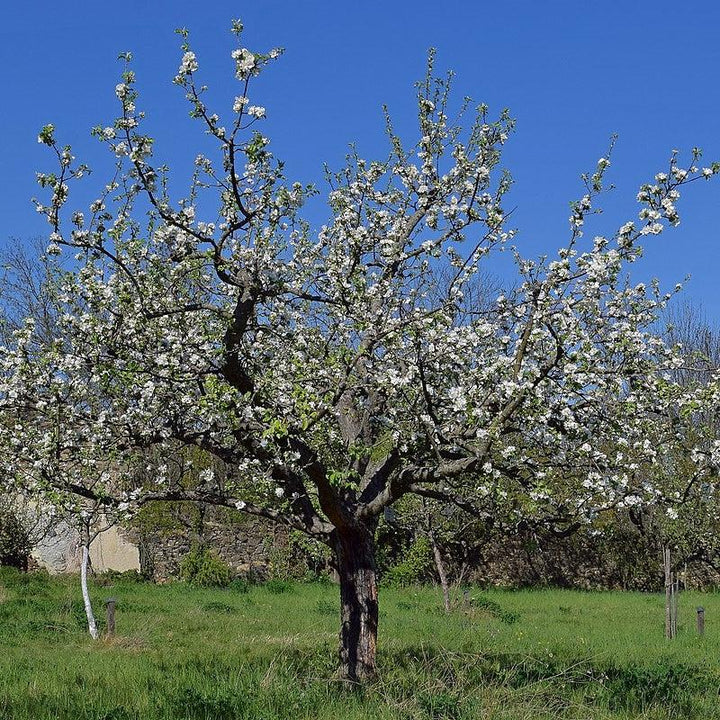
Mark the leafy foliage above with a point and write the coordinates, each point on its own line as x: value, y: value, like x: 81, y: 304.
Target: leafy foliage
x: 202, y: 567
x: 15, y: 538
x: 415, y: 567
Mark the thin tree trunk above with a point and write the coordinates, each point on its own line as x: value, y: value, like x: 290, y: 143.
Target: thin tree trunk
x: 440, y: 566
x: 668, y: 593
x: 355, y: 549
x: 92, y: 625
x: 145, y: 558
x: 461, y: 575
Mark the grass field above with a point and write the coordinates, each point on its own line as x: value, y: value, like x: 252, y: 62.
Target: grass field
x: 197, y: 654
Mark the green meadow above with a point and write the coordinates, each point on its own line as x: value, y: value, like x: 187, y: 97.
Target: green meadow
x: 267, y: 652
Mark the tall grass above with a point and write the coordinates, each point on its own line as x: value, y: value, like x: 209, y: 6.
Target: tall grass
x: 269, y: 653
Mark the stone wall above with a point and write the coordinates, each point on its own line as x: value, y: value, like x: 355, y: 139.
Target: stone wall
x: 246, y: 545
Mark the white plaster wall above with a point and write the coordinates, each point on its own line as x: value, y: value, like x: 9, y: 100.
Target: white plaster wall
x: 59, y: 551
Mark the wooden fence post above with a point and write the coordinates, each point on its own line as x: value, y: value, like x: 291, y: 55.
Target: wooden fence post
x: 110, y: 610
x: 701, y: 621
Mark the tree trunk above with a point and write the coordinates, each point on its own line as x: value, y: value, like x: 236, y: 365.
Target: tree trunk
x: 145, y: 557
x: 440, y: 566
x: 92, y: 625
x: 355, y: 549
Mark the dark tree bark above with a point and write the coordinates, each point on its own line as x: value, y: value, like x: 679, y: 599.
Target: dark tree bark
x: 355, y: 548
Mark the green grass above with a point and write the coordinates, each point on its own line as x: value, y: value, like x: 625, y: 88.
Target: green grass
x: 182, y: 652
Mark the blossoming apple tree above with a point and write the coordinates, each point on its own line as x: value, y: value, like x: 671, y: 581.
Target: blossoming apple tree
x: 333, y: 372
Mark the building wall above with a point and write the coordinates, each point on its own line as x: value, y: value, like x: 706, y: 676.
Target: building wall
x: 59, y: 551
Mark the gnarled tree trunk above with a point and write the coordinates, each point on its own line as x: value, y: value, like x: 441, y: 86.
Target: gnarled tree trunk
x: 355, y: 548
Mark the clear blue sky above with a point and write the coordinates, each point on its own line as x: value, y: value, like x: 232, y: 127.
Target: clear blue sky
x: 572, y: 73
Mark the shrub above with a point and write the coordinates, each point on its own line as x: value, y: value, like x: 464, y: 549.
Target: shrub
x: 278, y: 587
x: 204, y: 568
x: 299, y: 559
x: 15, y: 541
x: 240, y: 585
x: 416, y: 567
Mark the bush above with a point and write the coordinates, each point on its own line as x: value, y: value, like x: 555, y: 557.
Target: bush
x: 278, y: 587
x: 416, y: 567
x: 15, y: 541
x: 203, y: 568
x: 300, y: 559
x: 240, y: 586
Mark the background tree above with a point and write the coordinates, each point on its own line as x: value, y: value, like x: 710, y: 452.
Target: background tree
x: 686, y: 521
x: 423, y: 540
x: 25, y: 290
x: 335, y: 372
x: 21, y: 529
